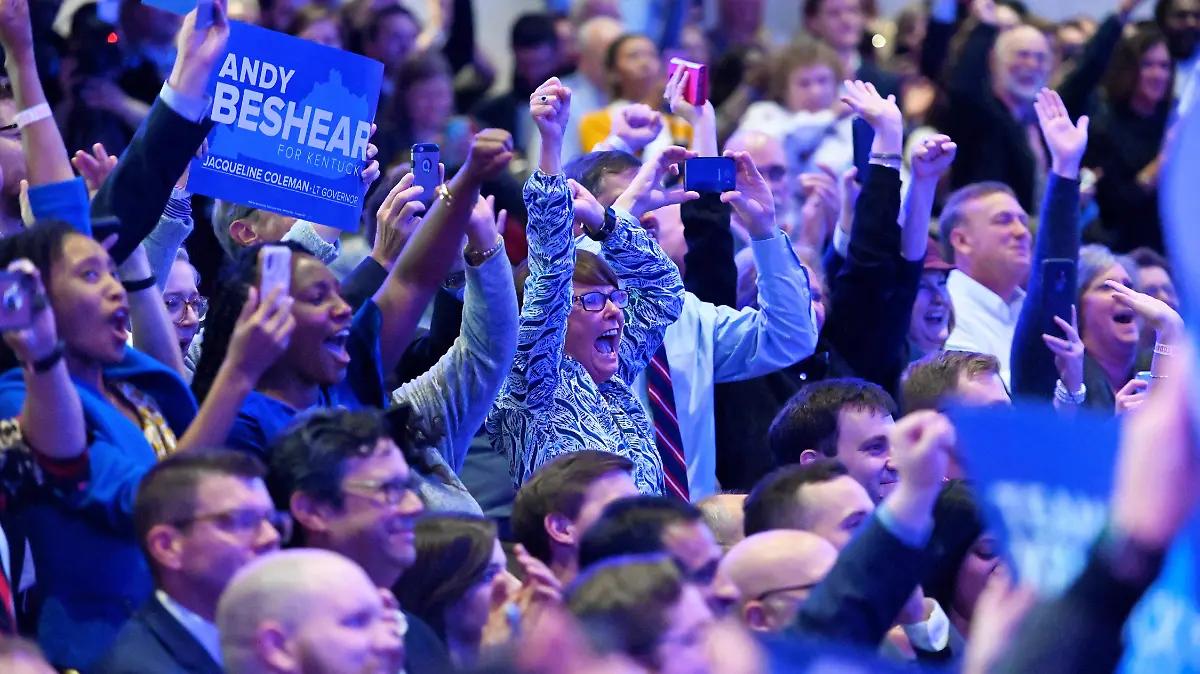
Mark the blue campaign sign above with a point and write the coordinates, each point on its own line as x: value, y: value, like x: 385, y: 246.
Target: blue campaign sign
x: 293, y: 120
x: 172, y: 6
x: 1047, y: 480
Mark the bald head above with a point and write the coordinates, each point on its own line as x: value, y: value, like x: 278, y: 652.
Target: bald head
x: 768, y: 155
x: 724, y: 515
x: 280, y: 594
x: 1021, y: 62
x: 595, y: 37
x: 773, y: 567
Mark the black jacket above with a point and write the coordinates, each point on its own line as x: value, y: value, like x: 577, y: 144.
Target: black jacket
x: 154, y: 642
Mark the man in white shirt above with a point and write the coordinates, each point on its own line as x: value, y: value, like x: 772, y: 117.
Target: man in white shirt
x: 200, y: 517
x: 589, y: 83
x: 985, y: 233
x: 712, y: 344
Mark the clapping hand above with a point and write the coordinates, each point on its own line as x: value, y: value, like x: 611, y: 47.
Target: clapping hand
x: 1066, y: 141
x: 638, y: 125
x: 1166, y: 321
x: 199, y: 50
x: 646, y: 192
x: 752, y: 201
x: 932, y: 157
x: 1068, y: 352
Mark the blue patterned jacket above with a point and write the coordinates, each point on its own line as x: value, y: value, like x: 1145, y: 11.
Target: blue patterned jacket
x: 549, y: 405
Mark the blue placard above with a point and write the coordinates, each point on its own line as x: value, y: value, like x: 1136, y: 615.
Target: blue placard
x: 1047, y: 480
x: 180, y: 7
x: 293, y: 120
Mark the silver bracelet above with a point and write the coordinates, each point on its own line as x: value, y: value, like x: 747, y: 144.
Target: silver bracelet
x: 1065, y: 397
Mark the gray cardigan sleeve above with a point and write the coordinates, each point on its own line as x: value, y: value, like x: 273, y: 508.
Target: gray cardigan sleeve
x: 457, y: 393
x: 163, y: 242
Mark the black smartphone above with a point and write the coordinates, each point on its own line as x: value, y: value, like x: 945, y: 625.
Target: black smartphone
x: 102, y: 228
x: 1058, y: 293
x: 710, y: 174
x: 17, y: 301
x: 863, y: 138
x: 425, y: 169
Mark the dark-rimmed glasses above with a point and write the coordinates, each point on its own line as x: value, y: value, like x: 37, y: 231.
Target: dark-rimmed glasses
x: 243, y: 521
x: 595, y: 300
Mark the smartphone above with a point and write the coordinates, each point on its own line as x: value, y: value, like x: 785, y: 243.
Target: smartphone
x: 863, y: 137
x: 204, y: 13
x: 1145, y: 376
x: 710, y: 174
x: 696, y: 90
x: 102, y: 228
x: 425, y: 168
x: 275, y: 271
x: 1058, y: 293
x: 16, y: 301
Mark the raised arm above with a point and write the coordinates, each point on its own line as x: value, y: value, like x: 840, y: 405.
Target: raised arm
x: 876, y: 280
x: 703, y: 119
x: 460, y: 388
x: 781, y: 331
x: 52, y: 415
x: 1034, y: 372
x: 431, y: 251
x: 153, y: 331
x: 1079, y: 85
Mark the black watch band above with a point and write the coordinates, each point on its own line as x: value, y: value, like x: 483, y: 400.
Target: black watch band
x: 45, y: 363
x: 607, y: 228
x: 139, y: 285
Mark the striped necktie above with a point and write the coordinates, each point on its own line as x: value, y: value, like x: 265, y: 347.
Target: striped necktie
x: 666, y: 425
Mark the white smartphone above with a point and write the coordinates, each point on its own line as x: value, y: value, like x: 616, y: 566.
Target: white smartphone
x: 275, y: 271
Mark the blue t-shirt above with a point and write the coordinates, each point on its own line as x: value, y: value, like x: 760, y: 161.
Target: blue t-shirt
x: 263, y: 418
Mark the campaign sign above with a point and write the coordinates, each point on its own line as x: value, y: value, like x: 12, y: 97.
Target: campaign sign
x: 293, y: 120
x: 1047, y: 480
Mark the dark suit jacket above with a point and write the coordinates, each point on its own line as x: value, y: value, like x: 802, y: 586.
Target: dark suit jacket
x: 154, y: 642
x: 424, y: 652
x: 139, y: 187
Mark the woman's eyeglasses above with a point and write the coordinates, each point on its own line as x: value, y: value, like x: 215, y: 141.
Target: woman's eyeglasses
x: 177, y: 306
x: 595, y: 300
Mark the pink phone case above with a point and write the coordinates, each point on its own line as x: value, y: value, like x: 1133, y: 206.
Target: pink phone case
x: 696, y: 92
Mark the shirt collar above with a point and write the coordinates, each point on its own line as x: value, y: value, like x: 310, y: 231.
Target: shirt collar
x: 976, y: 293
x: 201, y: 630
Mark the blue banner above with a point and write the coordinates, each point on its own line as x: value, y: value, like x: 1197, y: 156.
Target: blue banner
x: 293, y: 120
x: 1047, y: 479
x: 180, y: 7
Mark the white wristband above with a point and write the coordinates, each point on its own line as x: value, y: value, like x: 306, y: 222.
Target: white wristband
x: 35, y: 114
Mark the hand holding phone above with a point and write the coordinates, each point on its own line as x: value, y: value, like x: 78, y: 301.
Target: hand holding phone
x: 426, y: 170
x: 710, y: 174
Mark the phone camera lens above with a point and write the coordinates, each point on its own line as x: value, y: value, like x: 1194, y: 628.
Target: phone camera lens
x: 12, y: 299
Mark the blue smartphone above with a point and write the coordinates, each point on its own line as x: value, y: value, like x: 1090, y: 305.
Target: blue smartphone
x: 863, y: 139
x: 425, y: 169
x: 710, y: 174
x: 204, y: 13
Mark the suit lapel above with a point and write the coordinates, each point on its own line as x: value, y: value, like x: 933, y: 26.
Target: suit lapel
x: 177, y: 641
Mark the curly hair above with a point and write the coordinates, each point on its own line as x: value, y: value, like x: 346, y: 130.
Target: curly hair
x: 224, y: 307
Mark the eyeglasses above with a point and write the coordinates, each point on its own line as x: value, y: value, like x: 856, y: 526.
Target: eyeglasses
x: 383, y: 492
x: 244, y: 521
x: 595, y: 300
x: 792, y: 588
x: 177, y: 307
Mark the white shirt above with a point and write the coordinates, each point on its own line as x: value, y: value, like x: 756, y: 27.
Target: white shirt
x: 711, y: 345
x: 983, y: 322
x: 201, y: 630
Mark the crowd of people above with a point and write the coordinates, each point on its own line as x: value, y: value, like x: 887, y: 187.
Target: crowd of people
x: 566, y: 414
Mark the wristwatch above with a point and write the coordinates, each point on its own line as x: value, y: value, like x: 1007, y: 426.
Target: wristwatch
x: 455, y: 281
x: 606, y: 229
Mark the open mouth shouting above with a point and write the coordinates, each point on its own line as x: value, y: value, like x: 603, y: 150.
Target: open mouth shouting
x: 335, y: 346
x: 608, y: 342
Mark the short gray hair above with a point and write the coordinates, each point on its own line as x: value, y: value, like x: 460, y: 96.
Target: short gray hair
x: 1094, y: 260
x: 956, y: 203
x: 225, y: 213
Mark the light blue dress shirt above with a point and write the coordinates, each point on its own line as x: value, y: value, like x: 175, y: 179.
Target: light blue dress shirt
x: 712, y: 345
